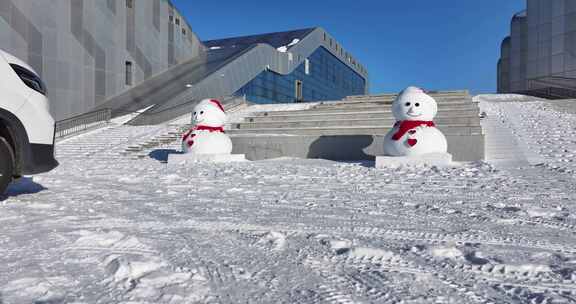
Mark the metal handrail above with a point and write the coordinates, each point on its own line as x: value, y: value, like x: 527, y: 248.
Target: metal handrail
x: 82, y: 122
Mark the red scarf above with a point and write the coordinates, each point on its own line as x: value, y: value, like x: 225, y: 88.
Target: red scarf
x: 190, y: 142
x: 203, y: 128
x: 211, y: 129
x: 407, y: 125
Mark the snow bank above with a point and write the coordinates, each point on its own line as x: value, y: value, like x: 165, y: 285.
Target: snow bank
x: 276, y: 240
x: 447, y: 252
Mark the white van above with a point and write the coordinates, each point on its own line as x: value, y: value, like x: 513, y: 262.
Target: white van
x: 26, y: 126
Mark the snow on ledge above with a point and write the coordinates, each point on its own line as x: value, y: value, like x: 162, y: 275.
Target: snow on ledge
x: 504, y: 98
x: 284, y: 48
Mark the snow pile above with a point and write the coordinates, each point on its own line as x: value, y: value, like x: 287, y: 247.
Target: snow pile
x: 215, y: 48
x: 447, y: 252
x: 276, y: 240
x: 36, y: 290
x: 544, y: 212
x: 135, y: 268
x: 528, y: 269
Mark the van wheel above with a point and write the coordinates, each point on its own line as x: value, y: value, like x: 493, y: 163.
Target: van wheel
x: 6, y: 164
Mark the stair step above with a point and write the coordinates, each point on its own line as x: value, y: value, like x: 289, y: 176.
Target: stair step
x: 388, y: 122
x: 444, y: 112
x: 388, y: 102
x: 384, y: 115
x: 357, y: 130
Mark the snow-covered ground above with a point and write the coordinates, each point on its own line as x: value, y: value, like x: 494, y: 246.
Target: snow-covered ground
x: 104, y: 228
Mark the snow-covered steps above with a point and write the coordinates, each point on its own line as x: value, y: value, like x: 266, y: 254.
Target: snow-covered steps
x: 501, y: 144
x: 109, y: 142
x: 308, y: 122
x: 351, y: 128
x: 349, y: 108
x: 537, y: 131
x: 304, y: 128
x: 440, y: 96
x: 368, y: 105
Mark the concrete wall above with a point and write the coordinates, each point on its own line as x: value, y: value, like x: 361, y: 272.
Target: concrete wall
x: 80, y: 47
x: 343, y: 147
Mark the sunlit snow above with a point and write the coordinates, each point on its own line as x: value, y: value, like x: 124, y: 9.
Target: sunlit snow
x: 105, y: 227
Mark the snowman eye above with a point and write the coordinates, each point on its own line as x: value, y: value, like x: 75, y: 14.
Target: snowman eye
x: 407, y: 104
x: 417, y: 104
x: 201, y: 112
x: 194, y: 113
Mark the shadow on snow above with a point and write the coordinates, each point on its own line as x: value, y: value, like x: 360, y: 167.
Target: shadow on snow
x: 24, y: 185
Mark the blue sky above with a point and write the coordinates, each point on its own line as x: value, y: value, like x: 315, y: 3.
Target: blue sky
x: 438, y: 45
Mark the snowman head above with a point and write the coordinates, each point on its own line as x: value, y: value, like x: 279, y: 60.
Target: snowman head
x: 414, y: 104
x: 210, y: 113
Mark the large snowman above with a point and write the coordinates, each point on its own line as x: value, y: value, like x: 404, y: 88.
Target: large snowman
x: 207, y: 137
x: 414, y: 132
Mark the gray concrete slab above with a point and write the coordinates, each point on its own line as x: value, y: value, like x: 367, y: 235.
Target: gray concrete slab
x: 441, y: 111
x: 442, y: 100
x: 356, y: 130
x: 454, y: 105
x: 393, y: 95
x: 377, y: 122
x: 342, y: 147
x: 384, y: 115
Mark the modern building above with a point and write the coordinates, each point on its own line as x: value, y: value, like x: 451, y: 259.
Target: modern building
x: 539, y: 56
x: 128, y: 55
x: 328, y: 73
x: 90, y: 50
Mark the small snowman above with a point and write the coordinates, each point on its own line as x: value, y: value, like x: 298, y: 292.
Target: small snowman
x: 414, y: 132
x: 207, y: 137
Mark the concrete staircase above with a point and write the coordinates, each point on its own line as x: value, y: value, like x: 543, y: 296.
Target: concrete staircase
x: 353, y: 129
x: 172, y: 131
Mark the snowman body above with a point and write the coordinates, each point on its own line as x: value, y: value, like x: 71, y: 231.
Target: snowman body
x: 414, y: 132
x: 207, y: 137
x: 418, y: 141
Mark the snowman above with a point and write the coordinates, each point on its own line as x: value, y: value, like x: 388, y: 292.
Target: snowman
x: 207, y: 137
x: 414, y: 132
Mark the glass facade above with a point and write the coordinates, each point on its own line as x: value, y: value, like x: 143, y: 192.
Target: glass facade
x: 324, y: 77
